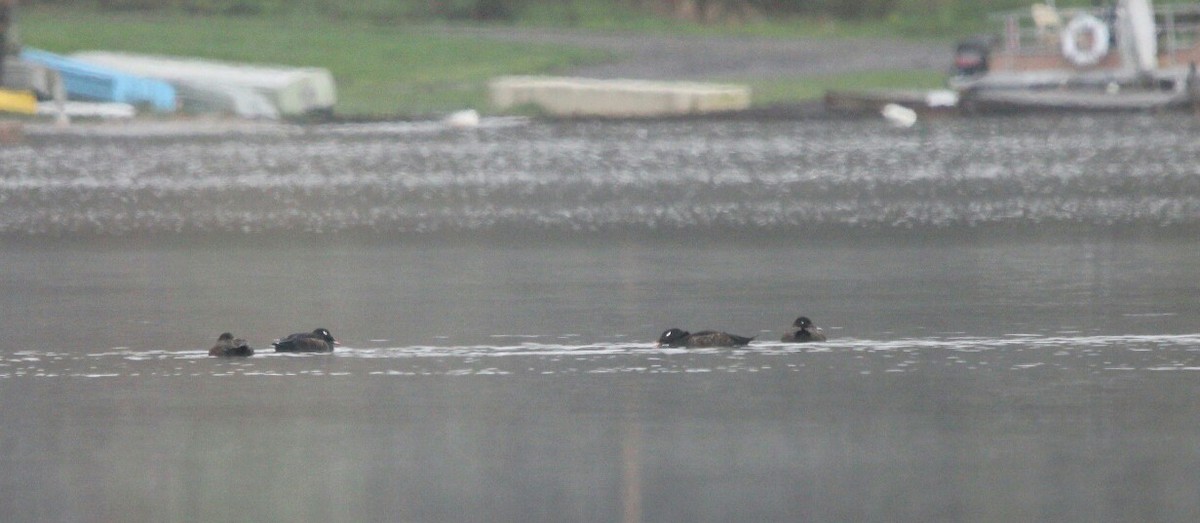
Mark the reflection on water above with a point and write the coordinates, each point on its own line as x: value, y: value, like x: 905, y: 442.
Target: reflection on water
x: 62, y: 297
x: 503, y: 287
x: 1029, y: 428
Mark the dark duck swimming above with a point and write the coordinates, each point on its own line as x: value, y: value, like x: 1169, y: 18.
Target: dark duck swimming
x: 681, y: 338
x: 319, y: 340
x: 228, y: 346
x: 802, y: 331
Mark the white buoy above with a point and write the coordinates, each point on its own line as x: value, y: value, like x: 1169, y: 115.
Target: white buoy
x: 899, y: 115
x: 941, y: 98
x: 463, y: 119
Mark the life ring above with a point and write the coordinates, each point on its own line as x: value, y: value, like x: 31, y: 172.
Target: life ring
x: 1097, y: 34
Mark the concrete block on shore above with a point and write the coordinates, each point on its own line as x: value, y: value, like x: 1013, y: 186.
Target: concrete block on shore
x: 584, y: 97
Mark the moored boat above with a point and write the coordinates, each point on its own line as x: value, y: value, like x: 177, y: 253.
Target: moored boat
x: 1127, y: 55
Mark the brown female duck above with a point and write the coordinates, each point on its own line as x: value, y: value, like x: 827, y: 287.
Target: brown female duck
x: 228, y: 346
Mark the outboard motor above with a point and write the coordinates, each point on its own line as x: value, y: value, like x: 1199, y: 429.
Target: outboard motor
x: 971, y: 56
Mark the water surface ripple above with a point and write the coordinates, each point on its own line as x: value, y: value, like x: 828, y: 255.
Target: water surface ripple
x: 969, y: 354
x: 516, y: 176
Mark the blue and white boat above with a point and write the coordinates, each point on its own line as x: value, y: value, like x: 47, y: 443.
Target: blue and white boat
x: 90, y: 82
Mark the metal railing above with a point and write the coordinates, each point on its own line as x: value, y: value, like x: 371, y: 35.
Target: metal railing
x: 1036, y: 31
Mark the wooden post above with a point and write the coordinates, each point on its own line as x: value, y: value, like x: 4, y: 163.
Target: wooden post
x: 5, y: 17
x: 1192, y: 84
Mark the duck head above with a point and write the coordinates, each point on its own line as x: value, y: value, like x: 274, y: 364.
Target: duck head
x: 802, y: 323
x: 672, y: 336
x: 325, y: 335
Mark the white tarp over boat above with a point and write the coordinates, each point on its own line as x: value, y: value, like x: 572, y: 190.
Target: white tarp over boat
x: 239, y: 88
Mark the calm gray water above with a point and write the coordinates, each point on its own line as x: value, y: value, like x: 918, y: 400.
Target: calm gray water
x: 1012, y: 306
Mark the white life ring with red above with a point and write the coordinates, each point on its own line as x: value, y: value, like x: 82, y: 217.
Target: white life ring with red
x: 1096, y: 32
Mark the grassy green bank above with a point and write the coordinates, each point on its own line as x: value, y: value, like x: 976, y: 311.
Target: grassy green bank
x: 379, y: 70
x: 404, y: 68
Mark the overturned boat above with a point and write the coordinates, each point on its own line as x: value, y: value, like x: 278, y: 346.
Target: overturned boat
x: 251, y: 91
x: 91, y: 82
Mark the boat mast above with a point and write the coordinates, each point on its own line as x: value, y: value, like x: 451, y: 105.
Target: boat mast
x: 1135, y: 32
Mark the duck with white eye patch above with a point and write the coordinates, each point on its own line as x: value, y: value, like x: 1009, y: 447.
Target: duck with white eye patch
x: 680, y: 338
x: 319, y: 340
x: 803, y: 330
